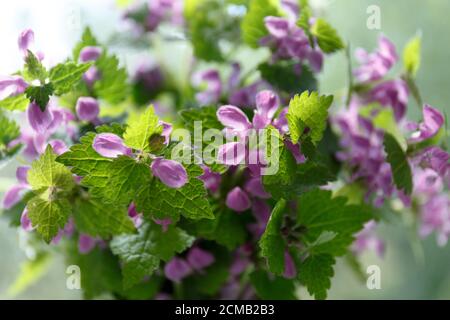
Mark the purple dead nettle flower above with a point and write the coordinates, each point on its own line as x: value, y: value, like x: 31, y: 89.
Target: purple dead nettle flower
x: 170, y: 172
x: 87, y: 243
x: 211, y: 85
x: 211, y: 88
x: 14, y: 194
x: 432, y: 123
x: 177, y: 269
x: 210, y: 179
x: 87, y: 109
x: 67, y: 231
x: 376, y: 65
x: 110, y: 145
x: 367, y: 239
x: 90, y: 53
x: 199, y: 259
x: 394, y: 94
x: 135, y: 216
x: 288, y: 41
x: 150, y: 76
x: 363, y: 151
x: 158, y: 11
x: 238, y: 200
x: 11, y: 86
x: 261, y: 211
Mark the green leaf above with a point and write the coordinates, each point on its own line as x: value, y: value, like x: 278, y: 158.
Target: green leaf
x: 252, y: 26
x: 48, y: 215
x: 204, y: 31
x: 96, y: 218
x: 120, y: 181
x: 283, y: 76
x: 310, y: 112
x: 34, y: 70
x: 272, y: 243
x: 87, y: 39
x: 99, y: 269
x: 269, y: 287
x: 327, y: 37
x: 40, y: 94
x: 85, y: 161
x: 292, y: 180
x: 46, y: 173
x: 49, y: 210
x: 398, y: 160
x: 411, y: 56
x: 9, y: 131
x: 19, y: 102
x: 212, y: 278
x: 141, y: 129
x: 141, y: 253
x: 112, y: 85
x: 206, y: 115
x: 303, y: 22
x: 227, y: 229
x: 320, y: 214
x: 316, y: 273
x: 65, y: 75
x: 160, y: 201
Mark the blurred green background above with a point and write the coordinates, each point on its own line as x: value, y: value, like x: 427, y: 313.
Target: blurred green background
x: 420, y: 271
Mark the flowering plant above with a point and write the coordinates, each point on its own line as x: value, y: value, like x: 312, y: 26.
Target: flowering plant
x: 232, y: 184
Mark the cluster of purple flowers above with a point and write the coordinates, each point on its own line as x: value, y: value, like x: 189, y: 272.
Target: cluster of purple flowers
x: 363, y: 151
x: 288, y: 41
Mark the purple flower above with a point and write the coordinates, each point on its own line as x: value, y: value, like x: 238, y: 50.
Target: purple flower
x: 210, y: 81
x: 58, y: 146
x: 14, y: 195
x: 86, y: 243
x: 367, y: 239
x: 91, y: 75
x: 255, y: 187
x: 135, y: 216
x: 233, y: 118
x: 432, y: 123
x: 427, y: 181
x: 278, y: 27
x: 177, y: 269
x: 87, y: 108
x: 39, y: 120
x: 232, y: 153
x: 199, y: 259
x: 210, y: 179
x: 25, y: 221
x: 435, y: 158
x: 22, y: 173
x: 90, y: 53
x: 266, y: 106
x: 110, y: 145
x: 237, y: 200
x: 393, y: 93
x: 164, y: 223
x: 26, y: 39
x: 11, y: 86
x: 289, y: 267
x: 167, y: 131
x: 170, y: 172
x: 288, y: 41
x: 436, y: 217
x: 377, y: 64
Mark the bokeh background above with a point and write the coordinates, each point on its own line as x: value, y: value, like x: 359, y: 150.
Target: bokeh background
x: 411, y: 268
